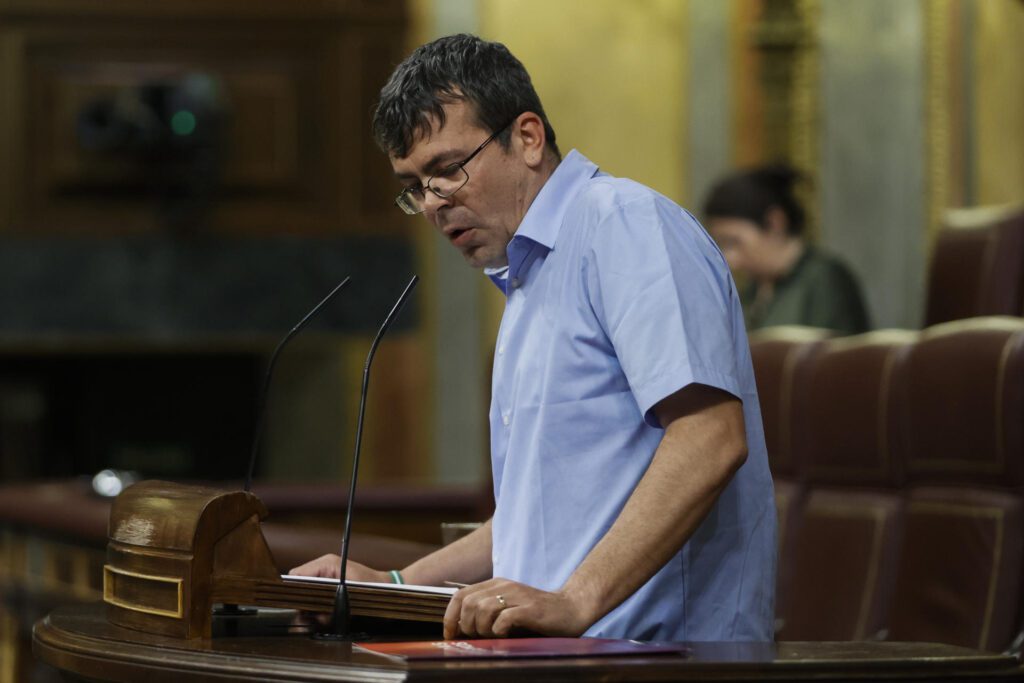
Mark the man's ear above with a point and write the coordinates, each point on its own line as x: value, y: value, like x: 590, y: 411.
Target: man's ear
x: 529, y: 130
x: 776, y: 224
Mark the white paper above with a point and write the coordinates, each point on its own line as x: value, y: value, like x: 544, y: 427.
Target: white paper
x: 397, y: 587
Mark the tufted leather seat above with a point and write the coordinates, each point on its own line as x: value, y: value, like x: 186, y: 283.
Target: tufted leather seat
x: 959, y: 578
x: 843, y: 555
x: 977, y: 266
x: 778, y: 355
x: 960, y: 403
x: 960, y: 408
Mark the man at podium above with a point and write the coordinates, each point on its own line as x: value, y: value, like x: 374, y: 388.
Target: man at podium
x: 633, y: 497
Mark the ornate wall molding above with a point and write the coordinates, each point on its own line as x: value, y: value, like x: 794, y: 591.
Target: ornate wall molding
x: 785, y: 37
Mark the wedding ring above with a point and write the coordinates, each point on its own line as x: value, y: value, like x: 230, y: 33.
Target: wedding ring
x: 502, y: 601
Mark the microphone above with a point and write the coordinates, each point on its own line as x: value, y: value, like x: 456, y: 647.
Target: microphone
x: 262, y: 414
x: 341, y: 621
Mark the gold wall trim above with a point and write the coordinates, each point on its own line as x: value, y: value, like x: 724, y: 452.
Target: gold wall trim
x: 804, y: 150
x: 786, y: 38
x: 8, y: 647
x: 937, y: 115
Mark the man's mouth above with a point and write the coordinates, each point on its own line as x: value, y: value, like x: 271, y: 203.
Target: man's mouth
x: 460, y: 236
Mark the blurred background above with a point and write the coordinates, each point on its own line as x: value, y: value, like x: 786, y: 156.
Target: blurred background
x: 181, y: 181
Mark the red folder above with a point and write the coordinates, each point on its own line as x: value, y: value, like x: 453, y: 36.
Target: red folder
x: 521, y: 648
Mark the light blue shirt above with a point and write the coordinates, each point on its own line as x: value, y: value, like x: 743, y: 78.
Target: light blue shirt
x: 616, y: 299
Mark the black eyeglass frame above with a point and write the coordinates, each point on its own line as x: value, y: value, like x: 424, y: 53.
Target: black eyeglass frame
x: 404, y: 200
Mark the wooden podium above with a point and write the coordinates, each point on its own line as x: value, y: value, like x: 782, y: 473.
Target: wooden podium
x: 86, y: 647
x: 175, y: 551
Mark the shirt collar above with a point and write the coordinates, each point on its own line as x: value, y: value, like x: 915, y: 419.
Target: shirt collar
x: 544, y: 217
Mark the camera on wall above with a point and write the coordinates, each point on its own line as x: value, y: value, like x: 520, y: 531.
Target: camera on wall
x: 172, y: 130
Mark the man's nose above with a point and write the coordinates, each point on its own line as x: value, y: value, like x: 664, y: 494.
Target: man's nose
x: 432, y: 203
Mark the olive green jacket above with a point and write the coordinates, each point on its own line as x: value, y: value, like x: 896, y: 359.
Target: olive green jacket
x: 820, y: 291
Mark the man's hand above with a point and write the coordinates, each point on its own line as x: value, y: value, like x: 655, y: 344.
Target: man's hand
x: 477, y: 611
x: 328, y: 567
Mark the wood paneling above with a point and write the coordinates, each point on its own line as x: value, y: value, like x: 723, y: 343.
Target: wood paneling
x: 298, y: 81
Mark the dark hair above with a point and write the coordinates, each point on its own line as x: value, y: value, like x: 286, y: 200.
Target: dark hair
x: 453, y: 68
x: 749, y: 194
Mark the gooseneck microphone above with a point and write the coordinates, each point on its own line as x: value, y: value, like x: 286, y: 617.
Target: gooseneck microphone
x: 341, y: 622
x: 262, y: 414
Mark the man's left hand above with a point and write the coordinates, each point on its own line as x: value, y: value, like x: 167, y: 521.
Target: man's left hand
x: 496, y: 607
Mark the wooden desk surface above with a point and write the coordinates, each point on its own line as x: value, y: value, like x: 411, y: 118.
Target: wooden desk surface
x: 79, y: 641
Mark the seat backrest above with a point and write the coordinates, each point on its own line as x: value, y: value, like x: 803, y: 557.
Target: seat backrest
x: 841, y: 569
x: 977, y: 266
x: 960, y: 399
x: 847, y: 427
x: 960, y: 572
x: 777, y: 354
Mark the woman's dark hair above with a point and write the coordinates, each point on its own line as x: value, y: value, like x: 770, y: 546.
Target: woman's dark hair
x: 749, y: 194
x: 449, y: 69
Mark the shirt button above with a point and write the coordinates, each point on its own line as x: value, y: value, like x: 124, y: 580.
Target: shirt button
x: 505, y: 419
x: 501, y: 349
x: 514, y: 283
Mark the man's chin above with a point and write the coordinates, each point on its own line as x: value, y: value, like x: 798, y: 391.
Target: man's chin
x: 479, y: 258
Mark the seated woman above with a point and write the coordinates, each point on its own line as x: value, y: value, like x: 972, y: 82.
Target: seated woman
x: 757, y: 221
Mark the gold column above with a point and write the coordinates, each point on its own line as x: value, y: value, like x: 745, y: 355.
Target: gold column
x: 804, y: 133
x: 8, y: 647
x: 999, y: 101
x: 937, y: 17
x: 785, y: 38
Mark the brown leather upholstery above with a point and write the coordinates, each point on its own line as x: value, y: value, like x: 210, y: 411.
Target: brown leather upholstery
x: 777, y: 354
x: 845, y: 430
x: 935, y: 426
x: 977, y: 269
x: 840, y: 574
x: 959, y: 578
x: 789, y: 497
x: 789, y: 502
x: 960, y: 403
x: 839, y: 567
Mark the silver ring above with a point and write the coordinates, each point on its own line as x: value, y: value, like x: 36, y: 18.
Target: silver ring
x: 502, y: 601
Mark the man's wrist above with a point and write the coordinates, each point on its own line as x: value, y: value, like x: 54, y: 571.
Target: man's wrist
x: 586, y: 601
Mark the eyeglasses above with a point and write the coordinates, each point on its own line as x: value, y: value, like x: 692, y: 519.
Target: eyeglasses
x: 444, y: 183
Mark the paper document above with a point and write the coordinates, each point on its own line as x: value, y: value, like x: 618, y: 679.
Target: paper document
x: 396, y: 587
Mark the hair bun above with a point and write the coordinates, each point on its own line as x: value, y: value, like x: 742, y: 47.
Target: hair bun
x: 780, y: 176
x: 750, y: 193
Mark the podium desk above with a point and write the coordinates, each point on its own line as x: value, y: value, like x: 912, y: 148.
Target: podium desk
x: 81, y: 643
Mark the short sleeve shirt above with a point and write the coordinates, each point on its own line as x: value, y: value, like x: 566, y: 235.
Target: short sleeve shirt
x: 615, y: 299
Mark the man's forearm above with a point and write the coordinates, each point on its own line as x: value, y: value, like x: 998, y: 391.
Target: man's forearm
x: 467, y: 560
x: 693, y: 464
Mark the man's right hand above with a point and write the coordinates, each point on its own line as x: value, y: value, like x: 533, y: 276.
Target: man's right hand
x: 327, y: 567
